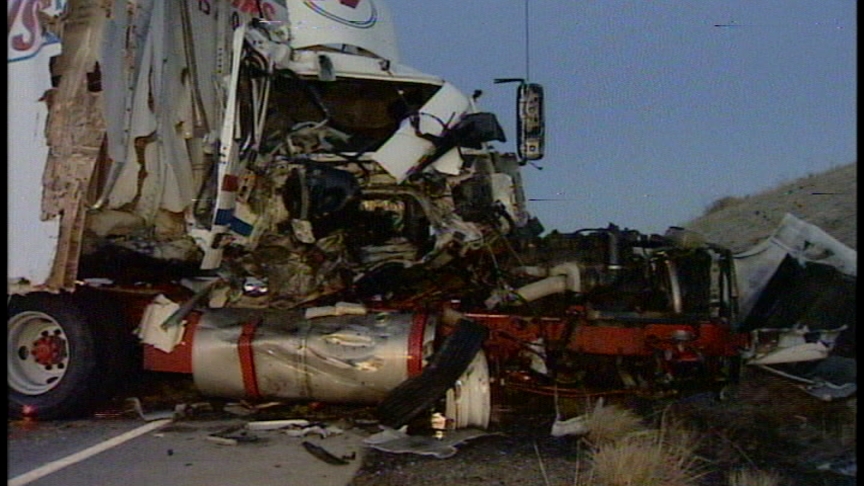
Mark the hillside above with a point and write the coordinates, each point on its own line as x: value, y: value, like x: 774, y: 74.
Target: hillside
x: 828, y: 200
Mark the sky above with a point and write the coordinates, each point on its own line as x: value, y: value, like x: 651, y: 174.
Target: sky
x: 653, y: 109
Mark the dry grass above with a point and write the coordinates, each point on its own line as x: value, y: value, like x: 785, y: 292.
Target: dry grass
x: 721, y: 204
x: 828, y: 200
x: 610, y: 423
x: 644, y: 459
x: 662, y: 457
x: 749, y: 477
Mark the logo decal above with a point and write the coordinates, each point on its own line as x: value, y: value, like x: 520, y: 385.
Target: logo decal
x: 24, y: 30
x: 355, y: 13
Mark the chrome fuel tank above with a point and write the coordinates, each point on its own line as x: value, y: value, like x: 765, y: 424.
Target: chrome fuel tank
x: 256, y: 353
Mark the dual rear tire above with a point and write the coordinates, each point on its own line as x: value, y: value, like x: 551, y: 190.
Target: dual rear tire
x: 65, y: 353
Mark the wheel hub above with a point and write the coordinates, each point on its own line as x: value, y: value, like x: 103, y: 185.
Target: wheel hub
x: 50, y: 350
x: 38, y: 353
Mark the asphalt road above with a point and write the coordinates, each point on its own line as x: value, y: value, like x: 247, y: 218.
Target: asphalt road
x: 135, y: 452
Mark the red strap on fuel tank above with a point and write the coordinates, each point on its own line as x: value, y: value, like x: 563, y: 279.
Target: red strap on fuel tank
x: 247, y: 359
x: 415, y: 343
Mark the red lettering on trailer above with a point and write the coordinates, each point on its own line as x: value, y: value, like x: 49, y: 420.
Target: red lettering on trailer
x: 24, y: 14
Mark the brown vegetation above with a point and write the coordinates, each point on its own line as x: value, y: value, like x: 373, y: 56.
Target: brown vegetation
x: 828, y: 200
x: 666, y: 456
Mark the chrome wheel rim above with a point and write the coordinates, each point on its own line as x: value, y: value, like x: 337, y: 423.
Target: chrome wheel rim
x: 37, y: 353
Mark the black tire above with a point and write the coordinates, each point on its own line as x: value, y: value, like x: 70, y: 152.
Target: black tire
x: 418, y: 394
x: 83, y: 350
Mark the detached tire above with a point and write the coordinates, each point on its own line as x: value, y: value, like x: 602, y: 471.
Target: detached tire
x: 60, y: 361
x: 417, y: 394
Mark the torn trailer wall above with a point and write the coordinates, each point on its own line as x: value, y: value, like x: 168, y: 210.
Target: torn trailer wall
x: 79, y: 114
x: 32, y: 240
x: 91, y: 105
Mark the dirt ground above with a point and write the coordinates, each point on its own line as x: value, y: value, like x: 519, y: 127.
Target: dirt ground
x: 764, y: 424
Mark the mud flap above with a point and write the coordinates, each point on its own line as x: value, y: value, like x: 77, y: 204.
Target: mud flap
x: 420, y: 392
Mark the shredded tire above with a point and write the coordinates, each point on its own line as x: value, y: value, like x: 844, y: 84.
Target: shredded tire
x: 419, y: 393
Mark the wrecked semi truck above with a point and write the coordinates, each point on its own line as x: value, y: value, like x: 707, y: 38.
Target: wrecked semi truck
x: 261, y: 160
x: 261, y: 195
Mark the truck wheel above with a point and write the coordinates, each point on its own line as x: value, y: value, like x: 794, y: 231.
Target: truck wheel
x: 417, y: 394
x: 54, y: 367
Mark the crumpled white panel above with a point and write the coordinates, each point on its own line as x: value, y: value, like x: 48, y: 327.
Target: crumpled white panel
x: 797, y: 238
